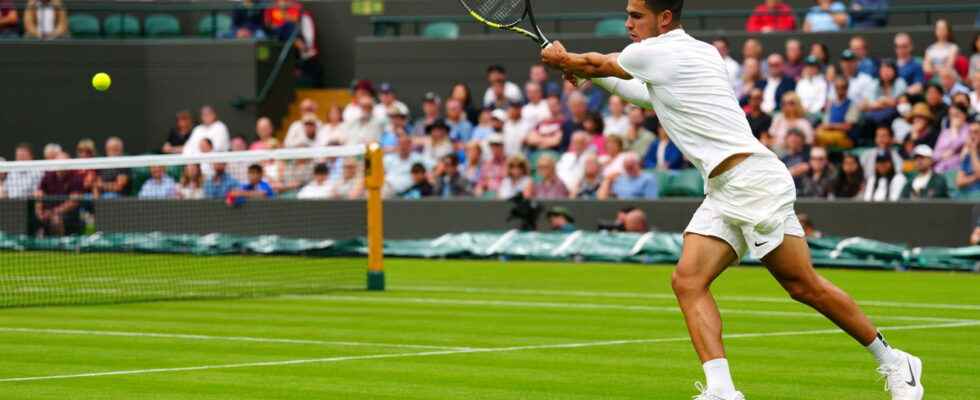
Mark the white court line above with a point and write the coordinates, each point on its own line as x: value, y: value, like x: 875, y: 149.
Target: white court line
x: 666, y: 296
x: 81, y: 332
x: 590, y: 306
x: 469, y: 351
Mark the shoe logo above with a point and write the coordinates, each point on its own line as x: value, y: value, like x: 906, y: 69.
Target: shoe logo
x: 760, y: 244
x: 912, y: 374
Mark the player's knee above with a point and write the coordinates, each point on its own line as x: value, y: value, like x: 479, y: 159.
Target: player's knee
x: 806, y: 292
x: 685, y: 283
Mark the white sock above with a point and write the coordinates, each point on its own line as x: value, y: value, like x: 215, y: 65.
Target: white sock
x: 882, y: 351
x: 719, y: 377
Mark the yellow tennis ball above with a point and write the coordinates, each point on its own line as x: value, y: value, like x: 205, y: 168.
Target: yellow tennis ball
x: 101, y: 81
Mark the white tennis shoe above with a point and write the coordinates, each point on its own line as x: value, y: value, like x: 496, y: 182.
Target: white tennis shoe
x: 904, y: 379
x: 711, y: 396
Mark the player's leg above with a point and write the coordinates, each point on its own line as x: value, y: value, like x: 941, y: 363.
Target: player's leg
x: 790, y: 264
x: 703, y: 258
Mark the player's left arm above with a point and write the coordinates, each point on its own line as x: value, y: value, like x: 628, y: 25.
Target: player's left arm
x: 584, y: 65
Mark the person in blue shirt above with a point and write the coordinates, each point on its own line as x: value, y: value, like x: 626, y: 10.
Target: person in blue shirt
x: 255, y: 188
x: 826, y: 16
x: 220, y: 184
x: 909, y: 68
x: 560, y: 220
x: 663, y: 154
x: 632, y: 184
x: 968, y: 179
x: 159, y: 186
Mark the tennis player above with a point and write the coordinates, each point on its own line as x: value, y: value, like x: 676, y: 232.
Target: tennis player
x: 750, y: 193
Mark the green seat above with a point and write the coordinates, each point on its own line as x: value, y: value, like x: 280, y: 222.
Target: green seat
x: 137, y: 177
x: 441, y: 30
x: 611, y: 27
x: 161, y: 25
x: 121, y: 25
x: 83, y: 26
x: 954, y: 192
x: 683, y: 183
x: 212, y: 25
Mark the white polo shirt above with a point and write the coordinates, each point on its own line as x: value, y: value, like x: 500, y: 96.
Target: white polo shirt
x: 688, y: 87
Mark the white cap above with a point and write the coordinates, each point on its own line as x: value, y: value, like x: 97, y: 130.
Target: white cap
x: 496, y: 138
x: 922, y: 150
x: 499, y: 114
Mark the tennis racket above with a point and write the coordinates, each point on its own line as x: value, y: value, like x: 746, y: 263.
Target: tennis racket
x: 507, y: 15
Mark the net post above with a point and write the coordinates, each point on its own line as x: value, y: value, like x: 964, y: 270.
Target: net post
x: 374, y: 181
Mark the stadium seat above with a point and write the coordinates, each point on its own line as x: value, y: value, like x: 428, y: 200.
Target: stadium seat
x: 950, y: 176
x: 121, y: 25
x: 206, y: 26
x: 441, y: 30
x: 683, y: 183
x: 83, y: 26
x: 138, y: 176
x: 162, y: 25
x: 611, y: 27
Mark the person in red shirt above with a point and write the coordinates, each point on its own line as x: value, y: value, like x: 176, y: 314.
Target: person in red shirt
x: 772, y: 16
x: 282, y: 18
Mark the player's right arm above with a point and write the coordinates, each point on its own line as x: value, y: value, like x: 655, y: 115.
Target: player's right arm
x: 605, y: 70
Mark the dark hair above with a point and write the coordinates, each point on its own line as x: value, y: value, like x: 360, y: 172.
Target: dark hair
x: 849, y: 185
x: 937, y: 87
x: 887, y: 128
x: 496, y: 68
x: 208, y: 141
x: 721, y: 39
x: 321, y: 169
x: 675, y: 6
x: 418, y: 168
x: 452, y: 159
x: 25, y: 146
x: 468, y: 101
x: 890, y: 64
x: 825, y: 50
x: 600, y: 124
x: 256, y: 168
x: 976, y: 49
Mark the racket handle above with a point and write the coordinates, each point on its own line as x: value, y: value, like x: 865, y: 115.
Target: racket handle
x: 578, y: 81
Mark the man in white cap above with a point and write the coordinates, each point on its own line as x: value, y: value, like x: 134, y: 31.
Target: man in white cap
x: 926, y: 184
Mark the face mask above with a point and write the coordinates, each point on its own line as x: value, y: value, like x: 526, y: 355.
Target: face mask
x: 904, y: 109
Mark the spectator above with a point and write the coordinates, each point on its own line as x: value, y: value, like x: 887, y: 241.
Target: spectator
x: 159, y: 186
x: 663, y: 154
x: 398, y: 165
x: 772, y: 16
x: 571, y: 165
x: 975, y: 236
x: 57, y: 207
x: 296, y: 130
x: 797, y: 156
x: 518, y: 179
x: 539, y: 74
x: 819, y: 181
x: 975, y: 95
x: 438, y: 144
x: 631, y: 183
x: 812, y: 88
x: 942, y: 53
x: 809, y: 229
x: 491, y: 122
x: 793, y: 67
x: 588, y: 187
x: 515, y: 131
x: 460, y: 128
x: 560, y: 220
x: 430, y: 113
x: 319, y: 187
x: 752, y: 49
x: 3, y: 181
x: 361, y: 89
x: 9, y: 21
x: 922, y: 131
x: 792, y: 117
x: 751, y: 75
x: 826, y: 16
x: 461, y: 92
x: 968, y: 179
x: 191, y: 185
x: 578, y: 111
x: 594, y: 126
x: 850, y: 181
x: 884, y: 143
x: 949, y: 79
x: 210, y: 128
x: 759, y: 121
x: 775, y: 86
x: 494, y: 168
x: 390, y: 104
x: 883, y: 109
x: 635, y: 221
x: 179, y: 134
x: 925, y: 184
x: 332, y: 130
x: 909, y: 69
x: 471, y: 170
x: 22, y: 184
x: 220, y: 183
x: 421, y: 187
x: 90, y: 178
x: 936, y: 100
x: 732, y: 66
x: 638, y: 137
x: 549, y: 186
x: 247, y: 21
x: 307, y: 137
x: 500, y: 90
x: 869, y: 13
x: 548, y: 134
x: 45, y: 19
x: 397, y: 128
x: 282, y: 18
x: 287, y: 176
x: 256, y: 187
x: 616, y: 122
x: 839, y: 120
x: 886, y: 184
x: 52, y: 151
x: 368, y: 127
x: 820, y: 52
x: 975, y: 58
x: 613, y: 160
x: 949, y: 146
x: 263, y: 134
x: 536, y: 109
x: 113, y: 182
x: 861, y: 87
x: 866, y: 65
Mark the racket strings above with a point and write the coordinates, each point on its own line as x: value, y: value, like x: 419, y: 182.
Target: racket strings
x: 501, y: 11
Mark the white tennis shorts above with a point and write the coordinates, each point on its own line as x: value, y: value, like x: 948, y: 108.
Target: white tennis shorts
x: 750, y: 207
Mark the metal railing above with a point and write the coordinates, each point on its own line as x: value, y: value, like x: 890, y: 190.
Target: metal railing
x: 392, y: 25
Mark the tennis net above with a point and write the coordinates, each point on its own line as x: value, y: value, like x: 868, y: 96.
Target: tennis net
x: 212, y: 225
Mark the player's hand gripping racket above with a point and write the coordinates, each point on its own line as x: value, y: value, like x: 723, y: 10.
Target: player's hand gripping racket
x: 507, y: 15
